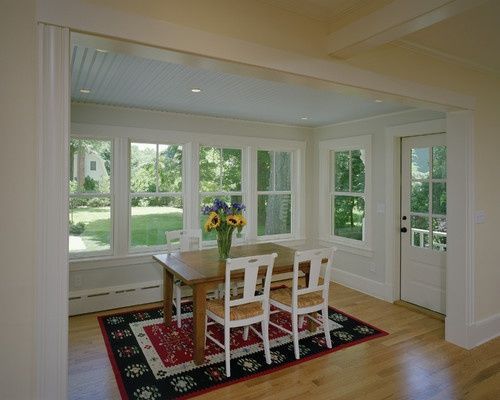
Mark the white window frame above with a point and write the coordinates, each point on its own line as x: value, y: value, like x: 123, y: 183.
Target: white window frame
x: 294, y: 172
x: 181, y: 194
x: 110, y: 195
x: 243, y: 192
x: 327, y: 189
x: 122, y: 136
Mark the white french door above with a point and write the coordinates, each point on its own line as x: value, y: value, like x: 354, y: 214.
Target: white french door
x: 423, y: 221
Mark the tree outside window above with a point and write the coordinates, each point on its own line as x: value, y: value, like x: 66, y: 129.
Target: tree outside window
x: 274, y: 193
x: 156, y: 199
x: 348, y: 194
x: 220, y: 177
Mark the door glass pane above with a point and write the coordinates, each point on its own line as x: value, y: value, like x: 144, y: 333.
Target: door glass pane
x: 342, y: 171
x: 439, y: 162
x: 282, y: 164
x: 274, y: 215
x: 142, y: 167
x: 358, y: 170
x: 419, y: 231
x: 89, y: 224
x: 231, y: 178
x: 170, y: 168
x: 420, y: 197
x: 439, y: 233
x: 439, y: 198
x: 265, y: 171
x: 152, y: 216
x: 210, y: 169
x: 349, y: 216
x: 420, y: 163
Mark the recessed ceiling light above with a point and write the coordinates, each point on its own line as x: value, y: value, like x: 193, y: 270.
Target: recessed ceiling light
x: 85, y: 91
x: 196, y: 90
x: 378, y: 101
x: 304, y: 118
x: 101, y: 50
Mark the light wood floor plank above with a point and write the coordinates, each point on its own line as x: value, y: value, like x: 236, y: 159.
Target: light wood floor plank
x: 413, y: 362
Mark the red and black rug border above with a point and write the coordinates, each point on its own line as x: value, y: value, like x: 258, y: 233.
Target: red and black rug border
x: 125, y: 396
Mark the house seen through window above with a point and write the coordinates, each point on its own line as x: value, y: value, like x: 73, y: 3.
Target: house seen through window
x: 90, y: 196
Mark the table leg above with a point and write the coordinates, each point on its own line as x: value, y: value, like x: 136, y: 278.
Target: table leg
x: 168, y: 286
x: 199, y: 315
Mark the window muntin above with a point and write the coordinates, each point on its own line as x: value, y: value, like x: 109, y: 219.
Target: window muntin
x: 220, y: 176
x: 428, y: 198
x: 274, y: 193
x: 90, y: 198
x: 348, y: 194
x: 156, y: 197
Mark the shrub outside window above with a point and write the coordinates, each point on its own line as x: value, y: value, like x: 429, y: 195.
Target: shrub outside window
x: 156, y: 198
x: 90, y: 199
x: 274, y: 193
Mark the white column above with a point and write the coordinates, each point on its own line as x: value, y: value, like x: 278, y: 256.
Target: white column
x: 460, y: 241
x: 52, y: 213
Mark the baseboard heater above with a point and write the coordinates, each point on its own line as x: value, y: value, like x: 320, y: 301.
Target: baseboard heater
x: 108, y: 298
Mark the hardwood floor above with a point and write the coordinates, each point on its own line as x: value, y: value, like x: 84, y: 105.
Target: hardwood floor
x: 413, y: 362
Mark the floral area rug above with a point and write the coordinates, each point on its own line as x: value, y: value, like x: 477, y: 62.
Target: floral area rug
x: 152, y: 361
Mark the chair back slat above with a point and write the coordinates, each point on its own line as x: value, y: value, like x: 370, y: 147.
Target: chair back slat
x: 183, y: 240
x: 251, y: 266
x: 315, y: 259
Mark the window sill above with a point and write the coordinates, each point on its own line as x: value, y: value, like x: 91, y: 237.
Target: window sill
x: 363, y: 251
x: 90, y: 263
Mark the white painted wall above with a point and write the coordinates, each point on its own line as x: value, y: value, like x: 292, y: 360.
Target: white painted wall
x: 89, y: 275
x: 17, y: 202
x: 362, y: 269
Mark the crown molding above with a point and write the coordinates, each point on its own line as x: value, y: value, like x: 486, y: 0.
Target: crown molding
x: 444, y: 56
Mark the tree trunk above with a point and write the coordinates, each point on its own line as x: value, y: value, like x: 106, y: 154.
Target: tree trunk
x: 81, y: 167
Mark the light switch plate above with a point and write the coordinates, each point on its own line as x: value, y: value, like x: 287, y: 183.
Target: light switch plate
x: 480, y: 217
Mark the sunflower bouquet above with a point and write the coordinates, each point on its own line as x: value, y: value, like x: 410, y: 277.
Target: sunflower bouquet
x: 224, y: 219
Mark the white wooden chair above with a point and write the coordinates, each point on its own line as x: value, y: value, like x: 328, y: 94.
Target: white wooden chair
x: 302, y: 301
x: 248, y: 309
x: 182, y: 240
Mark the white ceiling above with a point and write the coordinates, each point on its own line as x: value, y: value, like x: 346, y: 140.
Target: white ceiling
x: 123, y: 80
x: 326, y: 10
x: 471, y: 38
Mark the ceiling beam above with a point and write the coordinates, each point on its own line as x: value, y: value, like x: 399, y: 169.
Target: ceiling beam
x: 392, y: 22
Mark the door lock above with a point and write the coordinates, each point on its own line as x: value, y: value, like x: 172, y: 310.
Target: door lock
x: 404, y: 230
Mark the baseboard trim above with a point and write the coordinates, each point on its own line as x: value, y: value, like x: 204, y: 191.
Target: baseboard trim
x: 368, y: 286
x: 107, y: 298
x: 485, y: 330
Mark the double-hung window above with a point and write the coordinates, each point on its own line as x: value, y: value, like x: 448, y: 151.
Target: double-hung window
x: 345, y: 188
x: 156, y: 193
x: 90, y: 196
x: 219, y: 177
x: 274, y: 193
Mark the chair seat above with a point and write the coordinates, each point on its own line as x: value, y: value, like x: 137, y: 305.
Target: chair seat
x: 284, y: 296
x: 242, y: 311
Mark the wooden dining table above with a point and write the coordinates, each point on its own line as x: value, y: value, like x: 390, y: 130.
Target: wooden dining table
x: 204, y: 271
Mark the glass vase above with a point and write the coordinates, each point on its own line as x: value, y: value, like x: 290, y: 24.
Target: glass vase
x: 224, y: 239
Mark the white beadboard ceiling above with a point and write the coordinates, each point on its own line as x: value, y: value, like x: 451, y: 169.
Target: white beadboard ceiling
x: 130, y: 81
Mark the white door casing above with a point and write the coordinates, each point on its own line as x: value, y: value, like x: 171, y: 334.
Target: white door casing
x: 423, y: 221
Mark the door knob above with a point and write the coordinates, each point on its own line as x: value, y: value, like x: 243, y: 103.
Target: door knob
x: 404, y: 230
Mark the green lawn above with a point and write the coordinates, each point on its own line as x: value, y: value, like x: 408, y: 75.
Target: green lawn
x: 148, y: 226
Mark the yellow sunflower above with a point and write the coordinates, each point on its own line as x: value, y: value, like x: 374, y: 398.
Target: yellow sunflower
x: 242, y: 221
x: 213, y: 221
x: 233, y: 220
